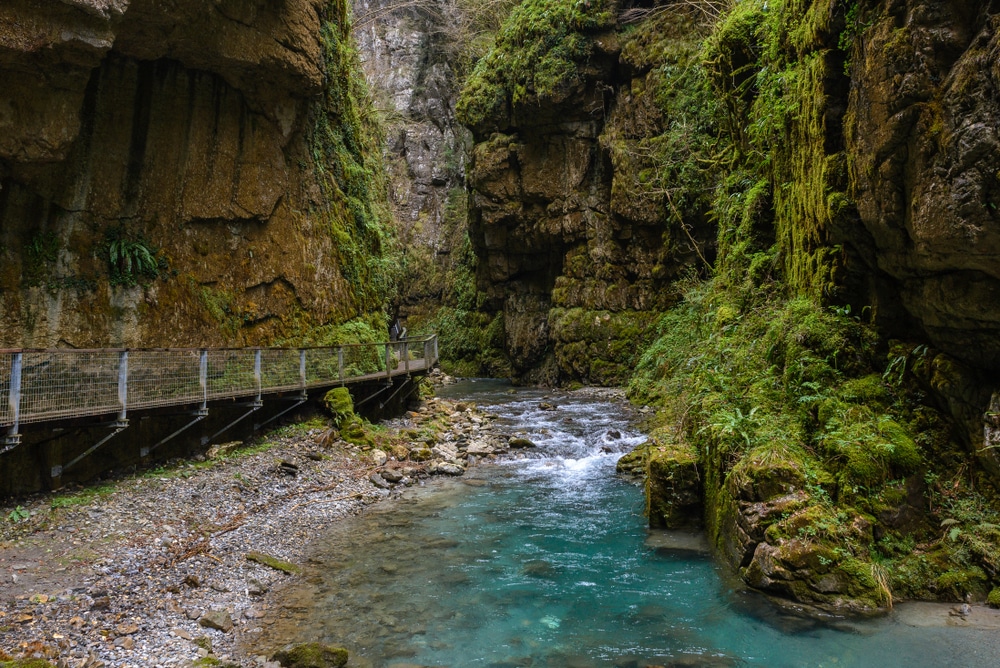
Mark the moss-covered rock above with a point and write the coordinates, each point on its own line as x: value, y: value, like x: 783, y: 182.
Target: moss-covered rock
x: 311, y: 655
x: 339, y: 404
x: 673, y: 486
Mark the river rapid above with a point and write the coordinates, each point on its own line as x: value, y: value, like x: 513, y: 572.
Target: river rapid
x: 546, y: 560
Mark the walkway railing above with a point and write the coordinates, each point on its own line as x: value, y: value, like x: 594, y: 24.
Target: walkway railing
x: 47, y: 385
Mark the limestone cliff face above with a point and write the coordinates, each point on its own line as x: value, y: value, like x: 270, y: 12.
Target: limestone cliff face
x: 925, y: 136
x: 926, y: 114
x: 577, y: 258
x: 190, y: 129
x: 407, y: 54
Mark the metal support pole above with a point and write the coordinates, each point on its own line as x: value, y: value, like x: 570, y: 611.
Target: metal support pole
x: 388, y: 371
x: 258, y: 402
x: 203, y: 378
x: 14, y: 403
x: 199, y: 416
x: 340, y: 363
x: 406, y: 357
x: 123, y: 386
x: 435, y: 349
x: 302, y: 370
x: 118, y: 427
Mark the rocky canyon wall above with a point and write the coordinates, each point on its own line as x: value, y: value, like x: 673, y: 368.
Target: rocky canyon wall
x: 580, y: 247
x: 184, y: 173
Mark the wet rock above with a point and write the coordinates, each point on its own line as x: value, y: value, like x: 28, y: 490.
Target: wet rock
x: 546, y: 406
x: 217, y: 619
x: 379, y: 481
x: 392, y: 475
x: 311, y: 655
x: 479, y: 448
x: 518, y: 443
x: 539, y: 568
x: 448, y: 468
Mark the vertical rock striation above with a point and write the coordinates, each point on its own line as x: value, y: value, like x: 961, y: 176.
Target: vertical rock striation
x: 186, y: 138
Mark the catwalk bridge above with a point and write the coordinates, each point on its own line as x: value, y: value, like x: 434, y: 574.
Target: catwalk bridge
x: 53, y: 386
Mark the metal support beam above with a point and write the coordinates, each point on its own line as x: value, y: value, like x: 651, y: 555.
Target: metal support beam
x: 406, y: 381
x: 299, y: 400
x: 199, y: 415
x: 372, y: 396
x: 117, y: 427
x: 254, y: 407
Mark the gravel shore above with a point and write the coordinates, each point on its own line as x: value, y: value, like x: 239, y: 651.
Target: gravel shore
x: 158, y: 569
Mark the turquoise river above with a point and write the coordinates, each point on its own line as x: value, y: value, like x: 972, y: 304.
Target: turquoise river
x: 547, y: 561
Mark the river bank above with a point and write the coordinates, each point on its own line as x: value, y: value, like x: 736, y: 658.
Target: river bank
x: 159, y: 568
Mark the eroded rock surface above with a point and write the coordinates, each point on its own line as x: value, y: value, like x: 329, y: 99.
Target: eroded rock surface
x: 184, y: 127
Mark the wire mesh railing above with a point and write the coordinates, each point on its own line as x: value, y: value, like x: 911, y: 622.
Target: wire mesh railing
x: 45, y: 385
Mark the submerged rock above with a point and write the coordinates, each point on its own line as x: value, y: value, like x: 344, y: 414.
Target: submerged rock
x: 517, y: 443
x: 311, y: 655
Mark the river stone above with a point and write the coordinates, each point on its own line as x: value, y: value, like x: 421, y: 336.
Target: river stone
x: 217, y: 619
x: 445, y: 451
x: 518, y: 442
x: 392, y: 475
x: 378, y: 481
x: 311, y: 655
x: 421, y: 454
x: 379, y: 457
x: 449, y: 468
x: 546, y: 406
x: 479, y: 448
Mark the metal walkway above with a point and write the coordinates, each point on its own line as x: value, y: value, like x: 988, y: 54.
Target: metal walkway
x: 52, y: 385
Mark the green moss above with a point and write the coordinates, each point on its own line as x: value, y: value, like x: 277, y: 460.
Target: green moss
x: 537, y: 57
x: 311, y: 655
x: 345, y: 141
x: 993, y: 598
x: 273, y: 562
x: 26, y: 663
x: 339, y: 404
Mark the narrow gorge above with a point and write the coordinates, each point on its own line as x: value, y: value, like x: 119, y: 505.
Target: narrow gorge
x: 774, y: 223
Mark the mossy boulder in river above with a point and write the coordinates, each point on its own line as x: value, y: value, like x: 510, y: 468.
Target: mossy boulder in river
x: 673, y: 486
x: 311, y: 655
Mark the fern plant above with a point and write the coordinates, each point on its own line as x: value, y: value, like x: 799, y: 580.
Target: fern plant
x: 131, y: 259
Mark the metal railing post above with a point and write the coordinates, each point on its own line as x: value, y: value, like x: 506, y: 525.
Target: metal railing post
x: 435, y: 349
x: 340, y: 363
x: 388, y: 371
x: 302, y: 370
x: 203, y: 378
x: 256, y: 376
x: 406, y: 357
x: 14, y: 401
x: 122, y: 384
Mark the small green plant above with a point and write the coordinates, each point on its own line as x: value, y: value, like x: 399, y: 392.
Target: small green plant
x: 131, y: 259
x: 18, y: 514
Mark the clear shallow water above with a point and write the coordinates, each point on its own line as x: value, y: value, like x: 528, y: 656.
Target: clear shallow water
x: 546, y: 561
